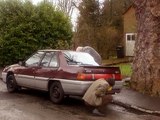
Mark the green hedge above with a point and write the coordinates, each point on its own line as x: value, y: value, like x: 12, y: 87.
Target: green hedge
x: 25, y: 28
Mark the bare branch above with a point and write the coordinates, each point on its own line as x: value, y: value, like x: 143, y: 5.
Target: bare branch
x: 67, y: 6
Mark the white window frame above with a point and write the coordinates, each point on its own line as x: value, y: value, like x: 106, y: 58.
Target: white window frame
x: 131, y: 36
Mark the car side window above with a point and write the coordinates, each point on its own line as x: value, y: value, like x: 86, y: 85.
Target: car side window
x: 46, y: 60
x: 54, y: 62
x: 34, y: 59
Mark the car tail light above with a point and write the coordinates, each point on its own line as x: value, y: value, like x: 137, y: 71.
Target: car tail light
x: 83, y: 76
x: 118, y: 77
x: 105, y: 76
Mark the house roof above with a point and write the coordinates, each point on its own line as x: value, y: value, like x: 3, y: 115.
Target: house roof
x: 131, y: 6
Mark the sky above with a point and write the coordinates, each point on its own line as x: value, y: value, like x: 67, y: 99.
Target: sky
x: 36, y: 1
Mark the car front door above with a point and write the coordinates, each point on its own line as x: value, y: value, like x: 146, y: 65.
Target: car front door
x: 26, y: 76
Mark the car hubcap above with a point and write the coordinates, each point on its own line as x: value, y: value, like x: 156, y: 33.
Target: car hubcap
x: 10, y: 83
x: 56, y: 93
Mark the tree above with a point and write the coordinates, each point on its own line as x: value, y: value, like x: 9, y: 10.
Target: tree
x: 100, y: 25
x: 88, y: 22
x: 146, y: 64
x: 108, y: 40
x: 25, y: 27
x: 110, y: 33
x: 66, y: 6
x: 112, y: 12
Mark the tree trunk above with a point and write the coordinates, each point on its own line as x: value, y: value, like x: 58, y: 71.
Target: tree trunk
x: 146, y: 63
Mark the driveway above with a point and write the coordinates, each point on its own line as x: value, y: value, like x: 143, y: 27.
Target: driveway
x: 35, y: 105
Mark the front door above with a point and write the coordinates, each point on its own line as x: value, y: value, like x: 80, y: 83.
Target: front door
x: 26, y: 76
x: 130, y: 43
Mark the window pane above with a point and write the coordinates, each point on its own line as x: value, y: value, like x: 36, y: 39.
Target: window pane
x: 46, y: 59
x: 34, y: 60
x: 133, y: 37
x: 128, y: 37
x: 53, y: 62
x: 79, y: 58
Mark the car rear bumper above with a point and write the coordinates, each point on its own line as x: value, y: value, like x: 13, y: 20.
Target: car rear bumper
x: 75, y: 87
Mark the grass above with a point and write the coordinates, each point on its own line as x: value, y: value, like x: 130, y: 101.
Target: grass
x: 123, y: 63
x: 115, y: 60
x: 126, y: 69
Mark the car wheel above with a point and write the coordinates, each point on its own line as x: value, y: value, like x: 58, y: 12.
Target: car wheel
x: 11, y: 84
x: 56, y: 92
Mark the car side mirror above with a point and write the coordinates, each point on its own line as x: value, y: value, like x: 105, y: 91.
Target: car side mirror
x: 21, y: 63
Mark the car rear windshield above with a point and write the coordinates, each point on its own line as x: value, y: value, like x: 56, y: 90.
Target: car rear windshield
x: 79, y: 58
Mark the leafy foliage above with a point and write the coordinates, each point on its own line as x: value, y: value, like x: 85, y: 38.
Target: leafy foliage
x: 25, y: 27
x: 108, y: 40
x: 87, y: 24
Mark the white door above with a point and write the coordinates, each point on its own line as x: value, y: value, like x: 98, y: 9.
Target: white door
x: 130, y: 43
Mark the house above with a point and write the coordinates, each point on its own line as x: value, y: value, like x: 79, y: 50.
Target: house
x: 130, y: 30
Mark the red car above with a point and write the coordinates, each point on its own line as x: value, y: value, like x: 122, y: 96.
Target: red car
x: 60, y: 72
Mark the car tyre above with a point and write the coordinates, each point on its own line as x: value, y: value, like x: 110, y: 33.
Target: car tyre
x: 56, y: 93
x: 11, y: 84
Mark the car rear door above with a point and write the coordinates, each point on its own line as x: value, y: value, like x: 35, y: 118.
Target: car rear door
x: 26, y: 74
x: 47, y: 69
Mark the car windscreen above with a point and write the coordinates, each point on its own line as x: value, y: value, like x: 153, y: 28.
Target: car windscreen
x: 79, y: 58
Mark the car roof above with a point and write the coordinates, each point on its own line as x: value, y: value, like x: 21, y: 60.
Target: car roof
x: 50, y: 50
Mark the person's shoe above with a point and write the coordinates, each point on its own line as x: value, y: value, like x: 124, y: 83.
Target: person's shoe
x: 96, y: 112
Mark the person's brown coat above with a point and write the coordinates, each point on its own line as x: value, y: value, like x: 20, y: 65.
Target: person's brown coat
x: 95, y: 92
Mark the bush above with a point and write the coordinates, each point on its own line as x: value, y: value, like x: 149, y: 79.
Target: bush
x: 108, y: 40
x: 25, y: 27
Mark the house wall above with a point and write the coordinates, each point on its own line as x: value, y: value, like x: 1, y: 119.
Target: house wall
x: 130, y: 26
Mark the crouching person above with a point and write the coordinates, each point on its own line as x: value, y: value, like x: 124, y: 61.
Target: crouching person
x: 96, y: 96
